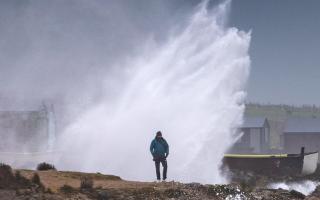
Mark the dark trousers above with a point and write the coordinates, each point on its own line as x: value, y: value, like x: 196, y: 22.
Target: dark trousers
x: 165, y: 167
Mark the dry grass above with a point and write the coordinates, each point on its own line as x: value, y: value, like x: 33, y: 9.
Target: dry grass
x: 56, y: 179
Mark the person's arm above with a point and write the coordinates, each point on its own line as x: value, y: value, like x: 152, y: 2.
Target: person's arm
x: 152, y: 147
x: 167, y: 148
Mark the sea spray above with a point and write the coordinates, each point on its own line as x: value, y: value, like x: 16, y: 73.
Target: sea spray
x: 191, y: 88
x: 305, y: 187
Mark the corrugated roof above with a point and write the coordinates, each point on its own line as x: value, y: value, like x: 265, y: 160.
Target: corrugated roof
x: 21, y: 114
x: 253, y: 122
x: 302, y: 125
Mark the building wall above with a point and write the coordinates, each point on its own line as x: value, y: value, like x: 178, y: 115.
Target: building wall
x: 294, y: 141
x: 276, y: 130
x: 24, y: 131
x: 252, y: 141
x: 255, y: 140
x: 242, y: 145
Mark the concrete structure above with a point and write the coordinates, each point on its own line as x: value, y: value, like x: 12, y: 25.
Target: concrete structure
x: 301, y: 132
x: 27, y: 131
x: 255, y: 136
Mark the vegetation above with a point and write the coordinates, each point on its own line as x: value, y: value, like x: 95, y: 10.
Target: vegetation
x: 86, y: 183
x: 45, y: 166
x: 21, y: 180
x: 282, y: 110
x: 67, y: 189
x: 6, y: 175
x: 36, y: 180
x: 49, y: 191
x: 5, y: 170
x: 10, y: 180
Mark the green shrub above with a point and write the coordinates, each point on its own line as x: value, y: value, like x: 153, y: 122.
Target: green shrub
x: 6, y: 176
x: 5, y: 170
x: 45, y: 166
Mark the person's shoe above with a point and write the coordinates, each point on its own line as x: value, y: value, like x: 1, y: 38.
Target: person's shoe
x: 158, y: 181
x: 164, y: 180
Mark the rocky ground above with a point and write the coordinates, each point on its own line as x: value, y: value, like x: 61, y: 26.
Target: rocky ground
x: 58, y: 185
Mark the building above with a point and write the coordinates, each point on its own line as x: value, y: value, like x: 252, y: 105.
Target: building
x: 255, y: 136
x: 301, y: 132
x: 27, y: 131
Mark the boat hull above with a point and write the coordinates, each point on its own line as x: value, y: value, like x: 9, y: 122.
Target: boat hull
x: 284, y: 164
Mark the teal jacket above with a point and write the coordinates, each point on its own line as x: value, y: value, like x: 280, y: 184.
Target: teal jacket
x: 159, y: 148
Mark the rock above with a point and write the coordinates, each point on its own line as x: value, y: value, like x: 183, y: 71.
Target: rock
x: 312, y: 198
x: 173, y: 193
x: 103, y: 195
x: 297, y: 194
x: 315, y: 195
x: 24, y: 191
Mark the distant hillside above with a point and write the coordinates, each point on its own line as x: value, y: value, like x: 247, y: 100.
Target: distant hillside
x: 282, y: 111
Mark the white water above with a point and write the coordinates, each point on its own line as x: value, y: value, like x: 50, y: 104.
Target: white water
x: 304, y: 187
x: 191, y: 88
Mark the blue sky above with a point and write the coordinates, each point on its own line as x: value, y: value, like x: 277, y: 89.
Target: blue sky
x: 285, y: 49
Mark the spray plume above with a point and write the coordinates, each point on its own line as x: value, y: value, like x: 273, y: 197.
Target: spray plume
x: 191, y: 88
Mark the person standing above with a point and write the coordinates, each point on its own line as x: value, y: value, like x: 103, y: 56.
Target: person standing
x: 159, y: 149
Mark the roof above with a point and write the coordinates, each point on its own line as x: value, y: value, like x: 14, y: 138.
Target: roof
x: 255, y: 155
x: 302, y: 125
x: 21, y: 114
x: 253, y: 122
